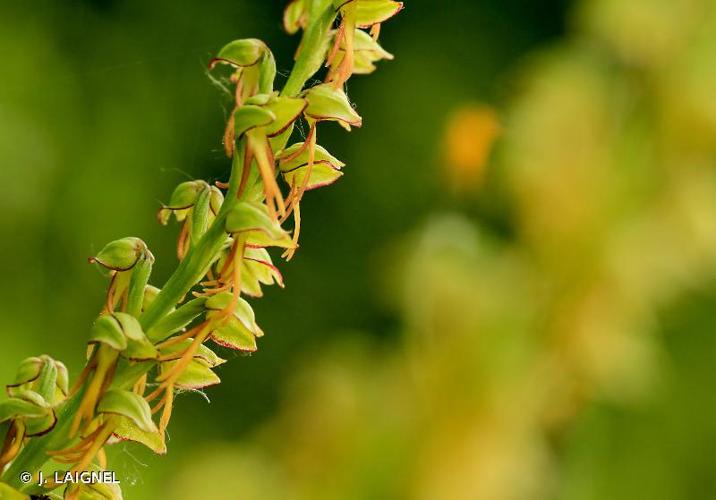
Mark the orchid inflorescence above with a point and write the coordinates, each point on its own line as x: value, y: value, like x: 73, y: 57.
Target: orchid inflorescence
x: 148, y: 344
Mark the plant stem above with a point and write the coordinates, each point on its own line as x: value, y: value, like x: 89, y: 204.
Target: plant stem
x: 310, y: 57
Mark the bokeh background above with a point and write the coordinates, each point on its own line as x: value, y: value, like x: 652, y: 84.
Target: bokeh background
x: 509, y: 295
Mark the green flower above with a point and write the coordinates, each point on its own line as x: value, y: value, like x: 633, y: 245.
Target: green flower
x: 128, y: 262
x: 195, y: 204
x: 366, y: 52
x: 294, y: 162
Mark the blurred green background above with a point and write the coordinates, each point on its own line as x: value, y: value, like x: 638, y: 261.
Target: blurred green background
x: 537, y: 327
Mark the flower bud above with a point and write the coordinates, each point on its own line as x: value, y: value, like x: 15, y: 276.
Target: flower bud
x: 241, y: 53
x: 120, y: 255
x: 183, y: 198
x: 42, y: 375
x: 249, y: 54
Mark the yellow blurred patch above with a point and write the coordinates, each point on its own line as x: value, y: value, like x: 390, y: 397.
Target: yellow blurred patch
x: 470, y: 134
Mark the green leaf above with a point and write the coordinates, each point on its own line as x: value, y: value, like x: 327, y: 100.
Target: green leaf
x: 327, y: 103
x: 120, y: 255
x: 263, y: 231
x: 241, y: 53
x: 108, y: 330
x: 127, y: 430
x: 286, y: 110
x: 129, y: 405
x: 370, y: 12
x: 250, y: 116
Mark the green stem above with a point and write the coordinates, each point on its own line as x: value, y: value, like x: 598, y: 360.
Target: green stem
x: 311, y: 51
